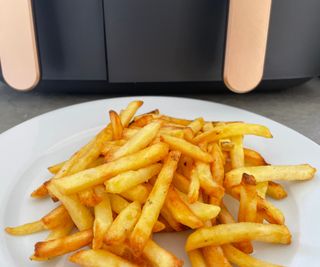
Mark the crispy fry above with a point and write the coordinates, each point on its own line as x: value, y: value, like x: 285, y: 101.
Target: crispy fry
x: 271, y: 173
x: 176, y: 226
x: 185, y: 165
x: 208, y: 126
x: 217, y: 168
x: 276, y: 191
x: 116, y: 125
x: 94, y: 176
x: 215, y: 257
x: 187, y: 148
x: 262, y: 188
x: 232, y: 129
x: 57, y: 217
x: 253, y: 158
x: 60, y: 246
x: 139, y: 141
x: 128, y: 113
x: 194, y: 186
x: 177, y: 121
x: 99, y: 258
x: 55, y: 168
x: 241, y: 259
x: 103, y: 218
x: 88, y: 197
x: 127, y: 180
x: 196, y: 258
x: 26, y: 229
x: 138, y: 193
x: 236, y: 153
x: 228, y: 233
x: 180, y: 211
x: 196, y: 125
x: 155, y: 201
x: 123, y: 224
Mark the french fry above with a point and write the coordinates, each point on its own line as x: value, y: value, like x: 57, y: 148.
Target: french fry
x: 229, y: 233
x: 155, y: 201
x: 102, y: 218
x: 196, y: 258
x: 127, y: 180
x: 214, y: 257
x: 123, y: 224
x: 185, y: 165
x: 138, y: 193
x: 276, y: 191
x: 253, y: 158
x: 236, y: 153
x: 128, y: 133
x: 99, y: 258
x: 232, y: 129
x: 116, y: 125
x: 180, y: 210
x: 142, y: 120
x: 166, y: 214
x: 194, y: 187
x: 128, y: 113
x: 196, y: 125
x: 262, y: 188
x: 55, y: 168
x: 111, y: 147
x: 241, y: 259
x: 177, y: 121
x: 80, y: 215
x: 180, y: 182
x: 217, y: 166
x: 88, y: 197
x: 160, y: 257
x: 60, y: 246
x: 208, y: 126
x: 186, y: 148
x: 139, y: 141
x: 95, y: 176
x: 26, y: 229
x: 271, y: 173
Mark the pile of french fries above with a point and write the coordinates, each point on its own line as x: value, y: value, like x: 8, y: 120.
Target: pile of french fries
x: 152, y: 173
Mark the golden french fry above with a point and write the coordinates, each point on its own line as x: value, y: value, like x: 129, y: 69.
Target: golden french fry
x: 123, y: 224
x: 241, y: 259
x: 253, y: 158
x: 103, y: 218
x: 180, y: 182
x: 159, y: 257
x: 194, y: 186
x: 196, y: 258
x: 88, y: 197
x: 80, y: 215
x: 158, y: 227
x: 180, y: 210
x: 185, y: 165
x: 208, y: 185
x: 177, y: 121
x: 166, y: 214
x: 236, y: 153
x: 196, y: 125
x: 128, y: 113
x: 187, y: 148
x: 130, y: 179
x: 111, y: 147
x: 60, y: 246
x: 271, y: 173
x: 55, y: 168
x: 142, y: 120
x: 228, y: 233
x: 232, y: 129
x: 95, y: 176
x: 203, y: 211
x: 57, y: 217
x: 214, y: 257
x: 155, y: 201
x: 139, y: 141
x: 208, y: 126
x: 128, y: 133
x: 276, y: 191
x: 26, y: 229
x: 262, y: 188
x: 217, y: 166
x: 99, y: 258
x: 138, y: 193
x: 116, y: 125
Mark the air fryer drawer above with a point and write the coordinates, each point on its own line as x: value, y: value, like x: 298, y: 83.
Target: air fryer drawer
x: 165, y: 41
x: 71, y: 39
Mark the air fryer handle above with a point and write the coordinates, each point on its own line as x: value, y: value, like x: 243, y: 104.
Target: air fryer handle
x: 18, y: 48
x: 246, y: 42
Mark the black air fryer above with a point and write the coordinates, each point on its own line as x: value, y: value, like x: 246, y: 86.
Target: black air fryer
x: 238, y: 43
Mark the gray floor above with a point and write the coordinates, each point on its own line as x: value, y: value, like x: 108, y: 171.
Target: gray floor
x: 298, y: 108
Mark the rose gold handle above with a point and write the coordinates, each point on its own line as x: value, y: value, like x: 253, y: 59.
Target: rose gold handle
x: 246, y: 43
x: 18, y: 49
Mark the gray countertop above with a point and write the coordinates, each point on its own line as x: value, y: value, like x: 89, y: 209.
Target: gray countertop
x: 298, y: 107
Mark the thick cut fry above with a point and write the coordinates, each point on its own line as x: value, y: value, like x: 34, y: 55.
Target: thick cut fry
x: 208, y: 126
x: 139, y: 141
x: 185, y: 165
x: 203, y: 211
x: 181, y: 182
x: 241, y: 259
x: 180, y: 210
x: 154, y: 203
x: 228, y: 233
x: 236, y: 153
x: 196, y: 125
x: 142, y: 121
x: 215, y: 257
x: 262, y: 189
x: 123, y: 224
x: 196, y: 258
x: 95, y: 176
x: 232, y: 129
x: 248, y: 200
x: 138, y: 193
x: 187, y: 148
x: 217, y: 166
x: 276, y: 191
x: 116, y: 125
x: 102, y: 218
x: 209, y: 186
x: 99, y: 258
x: 26, y: 229
x: 194, y: 187
x: 88, y: 197
x: 253, y: 158
x: 160, y: 257
x: 80, y: 215
x: 271, y: 173
x: 60, y: 246
x: 57, y: 217
x: 128, y: 113
x: 166, y: 214
x: 127, y: 180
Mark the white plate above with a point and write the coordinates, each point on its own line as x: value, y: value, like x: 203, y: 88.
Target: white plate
x: 27, y: 149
